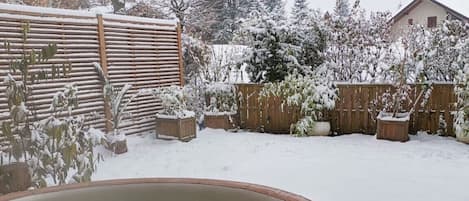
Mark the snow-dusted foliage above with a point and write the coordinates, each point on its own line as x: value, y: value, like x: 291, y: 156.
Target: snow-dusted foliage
x: 355, y: 42
x: 206, y: 65
x: 406, y: 66
x: 115, y: 99
x: 462, y: 90
x: 222, y: 98
x: 43, y: 145
x: 278, y: 46
x: 342, y: 8
x: 63, y: 147
x: 173, y: 100
x: 443, y: 48
x: 311, y: 94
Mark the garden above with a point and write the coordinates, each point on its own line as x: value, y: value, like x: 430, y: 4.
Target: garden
x: 327, y: 106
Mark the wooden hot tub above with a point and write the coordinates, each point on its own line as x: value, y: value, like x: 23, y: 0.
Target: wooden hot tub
x: 166, y: 189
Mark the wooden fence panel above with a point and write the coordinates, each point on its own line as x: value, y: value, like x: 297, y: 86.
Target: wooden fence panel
x: 354, y: 111
x: 140, y: 51
x: 146, y: 55
x: 77, y: 44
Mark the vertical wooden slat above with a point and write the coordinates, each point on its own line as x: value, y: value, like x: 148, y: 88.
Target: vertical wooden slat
x: 181, y: 61
x: 103, y: 62
x: 366, y: 102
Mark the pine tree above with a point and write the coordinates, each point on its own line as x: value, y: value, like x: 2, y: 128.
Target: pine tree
x: 342, y: 8
x: 273, y: 5
x: 300, y: 11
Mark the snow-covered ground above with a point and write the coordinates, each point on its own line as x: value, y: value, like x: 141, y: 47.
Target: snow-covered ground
x: 352, y: 167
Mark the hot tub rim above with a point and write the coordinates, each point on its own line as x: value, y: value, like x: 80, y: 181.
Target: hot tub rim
x: 261, y: 189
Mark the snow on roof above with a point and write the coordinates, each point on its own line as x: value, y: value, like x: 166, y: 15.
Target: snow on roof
x: 460, y: 6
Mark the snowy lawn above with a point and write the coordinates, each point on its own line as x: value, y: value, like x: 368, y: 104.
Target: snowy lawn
x: 352, y: 167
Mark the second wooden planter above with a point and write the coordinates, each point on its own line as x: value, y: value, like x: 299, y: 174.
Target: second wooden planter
x: 184, y: 129
x: 393, y: 129
x: 221, y: 121
x: 14, y: 177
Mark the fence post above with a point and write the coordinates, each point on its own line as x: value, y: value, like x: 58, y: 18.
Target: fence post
x: 103, y: 62
x: 181, y: 61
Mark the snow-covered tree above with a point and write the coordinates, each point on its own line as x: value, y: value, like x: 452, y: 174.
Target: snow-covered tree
x: 355, y: 44
x: 145, y: 9
x: 279, y: 46
x: 307, y: 32
x: 300, y: 12
x: 271, y: 57
x: 342, y: 8
x: 461, y: 122
x: 443, y: 50
x: 274, y: 6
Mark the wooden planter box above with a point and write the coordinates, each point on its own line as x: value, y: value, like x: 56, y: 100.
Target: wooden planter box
x: 184, y: 129
x: 118, y: 147
x: 14, y: 177
x: 393, y: 130
x: 221, y: 121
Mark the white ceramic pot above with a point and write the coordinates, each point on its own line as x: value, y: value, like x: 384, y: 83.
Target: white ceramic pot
x: 321, y: 128
x: 464, y: 139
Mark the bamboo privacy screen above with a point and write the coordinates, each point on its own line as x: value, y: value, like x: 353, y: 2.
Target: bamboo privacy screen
x: 140, y: 51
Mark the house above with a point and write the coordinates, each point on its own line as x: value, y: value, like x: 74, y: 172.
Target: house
x: 428, y: 13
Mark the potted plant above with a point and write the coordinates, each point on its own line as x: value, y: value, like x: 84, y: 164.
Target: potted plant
x: 312, y: 95
x: 115, y: 99
x: 221, y: 108
x: 397, y: 103
x: 174, y: 120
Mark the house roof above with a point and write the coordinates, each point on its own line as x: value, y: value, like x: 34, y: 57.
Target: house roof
x: 458, y: 8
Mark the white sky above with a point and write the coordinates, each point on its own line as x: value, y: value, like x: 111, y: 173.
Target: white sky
x: 370, y: 5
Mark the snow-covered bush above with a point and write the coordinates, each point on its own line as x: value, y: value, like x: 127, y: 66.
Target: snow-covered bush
x: 222, y: 98
x: 63, y: 147
x: 311, y: 94
x: 115, y: 99
x: 461, y: 121
x: 173, y: 100
x: 205, y: 66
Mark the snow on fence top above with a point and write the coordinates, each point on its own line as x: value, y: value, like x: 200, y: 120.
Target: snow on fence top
x: 44, y: 11
x: 51, y: 12
x: 139, y: 51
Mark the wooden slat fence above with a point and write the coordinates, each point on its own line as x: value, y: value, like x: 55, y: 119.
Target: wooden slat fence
x: 354, y: 111
x: 139, y: 51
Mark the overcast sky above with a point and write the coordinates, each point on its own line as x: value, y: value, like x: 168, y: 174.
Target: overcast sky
x: 374, y: 5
